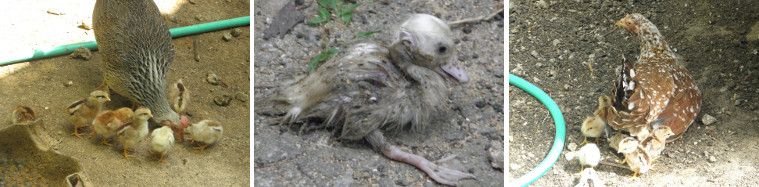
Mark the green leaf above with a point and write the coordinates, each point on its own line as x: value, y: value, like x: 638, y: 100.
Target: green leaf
x: 367, y: 34
x: 347, y: 19
x: 324, y: 56
x: 349, y: 9
x: 327, y: 3
x: 323, y: 16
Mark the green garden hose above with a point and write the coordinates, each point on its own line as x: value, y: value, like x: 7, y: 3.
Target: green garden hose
x: 561, y: 130
x: 92, y: 45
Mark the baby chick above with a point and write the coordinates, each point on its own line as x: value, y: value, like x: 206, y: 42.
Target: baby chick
x: 654, y: 145
x: 22, y: 115
x: 82, y: 112
x: 593, y: 127
x: 639, y: 161
x: 108, y: 121
x: 162, y: 139
x: 206, y: 131
x: 587, y: 155
x: 131, y: 133
x: 178, y: 96
x: 590, y: 175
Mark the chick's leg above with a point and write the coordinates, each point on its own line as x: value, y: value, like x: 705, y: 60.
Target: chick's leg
x: 76, y: 132
x: 126, y: 154
x: 436, y: 170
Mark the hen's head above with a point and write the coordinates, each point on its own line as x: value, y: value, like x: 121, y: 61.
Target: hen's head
x: 637, y: 24
x: 426, y: 41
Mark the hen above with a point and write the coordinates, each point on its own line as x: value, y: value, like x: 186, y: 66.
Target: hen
x: 654, y: 90
x: 374, y: 89
x: 136, y: 48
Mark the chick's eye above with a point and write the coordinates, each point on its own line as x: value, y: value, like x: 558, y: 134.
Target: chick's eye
x: 442, y: 49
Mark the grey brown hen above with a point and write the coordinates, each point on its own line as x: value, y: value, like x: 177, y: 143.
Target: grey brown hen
x: 374, y: 89
x: 136, y: 48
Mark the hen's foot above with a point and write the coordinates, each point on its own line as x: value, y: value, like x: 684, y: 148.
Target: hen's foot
x: 440, y: 171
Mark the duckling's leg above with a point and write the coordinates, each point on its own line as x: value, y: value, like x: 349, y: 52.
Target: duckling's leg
x: 439, y: 173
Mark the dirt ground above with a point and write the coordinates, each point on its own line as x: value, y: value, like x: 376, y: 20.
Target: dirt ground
x: 551, y: 44
x: 285, y: 158
x: 41, y: 85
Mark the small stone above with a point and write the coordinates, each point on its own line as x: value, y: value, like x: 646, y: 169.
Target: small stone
x: 69, y: 83
x: 222, y: 100
x: 213, y: 78
x: 81, y: 53
x: 556, y: 42
x: 467, y: 30
x: 227, y: 37
x: 712, y: 159
x: 572, y: 146
x: 299, y: 2
x: 241, y: 96
x: 199, y: 17
x: 534, y: 54
x: 173, y: 18
x: 192, y: 2
x: 236, y: 32
x: 496, y: 154
x: 566, y: 87
x: 708, y: 119
x: 480, y: 104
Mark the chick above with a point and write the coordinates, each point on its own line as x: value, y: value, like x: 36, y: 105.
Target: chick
x: 588, y: 155
x: 593, y: 127
x: 178, y: 96
x: 161, y: 142
x: 590, y: 175
x: 106, y: 123
x: 654, y: 145
x: 639, y: 161
x: 131, y: 133
x: 206, y: 132
x: 22, y: 115
x: 82, y: 112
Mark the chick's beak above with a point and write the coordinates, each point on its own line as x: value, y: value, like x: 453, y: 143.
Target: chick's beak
x: 454, y: 70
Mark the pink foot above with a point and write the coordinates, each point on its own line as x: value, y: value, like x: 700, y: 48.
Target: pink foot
x: 439, y: 173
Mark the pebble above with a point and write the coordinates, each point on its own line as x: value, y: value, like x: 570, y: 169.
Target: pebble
x: 480, y: 104
x: 708, y: 119
x: 241, y: 96
x: 236, y: 32
x: 227, y: 37
x: 69, y: 83
x: 213, y: 78
x: 81, y: 53
x: 222, y: 100
x: 572, y: 146
x: 712, y: 159
x: 199, y: 17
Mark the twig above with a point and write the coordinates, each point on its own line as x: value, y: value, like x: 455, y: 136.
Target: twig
x: 615, y: 29
x: 612, y: 164
x: 195, y: 46
x: 481, y: 18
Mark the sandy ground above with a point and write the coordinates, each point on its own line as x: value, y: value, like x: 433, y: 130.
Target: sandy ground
x: 285, y: 158
x: 551, y: 44
x: 40, y: 85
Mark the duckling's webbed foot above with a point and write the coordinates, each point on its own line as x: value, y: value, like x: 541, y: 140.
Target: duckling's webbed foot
x: 440, y: 170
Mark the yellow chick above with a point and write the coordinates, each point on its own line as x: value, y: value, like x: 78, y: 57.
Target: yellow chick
x: 131, y: 133
x: 161, y: 142
x: 593, y: 127
x: 106, y: 123
x: 206, y: 132
x: 82, y: 112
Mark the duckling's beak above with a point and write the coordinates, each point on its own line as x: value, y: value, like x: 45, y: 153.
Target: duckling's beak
x: 454, y: 70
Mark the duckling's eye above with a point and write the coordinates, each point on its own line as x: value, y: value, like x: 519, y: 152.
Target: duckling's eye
x: 442, y: 49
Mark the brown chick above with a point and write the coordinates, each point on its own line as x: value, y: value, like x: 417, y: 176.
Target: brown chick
x: 206, y: 132
x: 178, y: 96
x: 654, y: 144
x: 106, y: 123
x: 373, y: 88
x: 654, y: 89
x: 82, y: 112
x: 22, y: 115
x: 639, y: 161
x: 135, y: 45
x: 161, y: 141
x: 131, y: 133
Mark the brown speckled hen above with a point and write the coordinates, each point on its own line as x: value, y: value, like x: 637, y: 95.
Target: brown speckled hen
x: 373, y: 89
x: 136, y: 48
x: 654, y: 90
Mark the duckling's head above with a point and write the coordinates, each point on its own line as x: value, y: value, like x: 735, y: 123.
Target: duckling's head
x: 426, y: 41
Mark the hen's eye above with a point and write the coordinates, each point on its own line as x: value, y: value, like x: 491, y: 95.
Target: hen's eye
x: 442, y: 49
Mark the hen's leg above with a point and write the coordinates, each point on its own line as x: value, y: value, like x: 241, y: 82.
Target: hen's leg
x: 439, y: 173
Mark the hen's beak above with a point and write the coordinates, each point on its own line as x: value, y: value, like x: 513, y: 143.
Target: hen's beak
x: 624, y: 23
x: 453, y: 70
